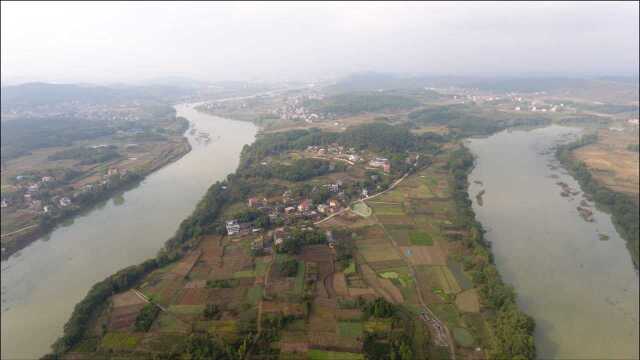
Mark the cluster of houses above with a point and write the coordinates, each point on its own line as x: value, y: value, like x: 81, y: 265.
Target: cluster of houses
x: 336, y: 152
x: 289, y: 210
x: 381, y: 163
x: 32, y: 196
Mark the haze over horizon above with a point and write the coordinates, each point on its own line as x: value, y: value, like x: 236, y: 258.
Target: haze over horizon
x: 132, y: 42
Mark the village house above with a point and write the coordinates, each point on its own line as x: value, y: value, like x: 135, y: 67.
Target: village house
x: 305, y: 205
x: 64, y: 201
x: 322, y: 208
x: 47, y: 178
x: 232, y: 227
x: 381, y: 162
x: 279, y: 235
x: 4, y: 203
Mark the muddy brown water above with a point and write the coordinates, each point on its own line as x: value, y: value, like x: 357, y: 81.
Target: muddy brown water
x: 581, y: 291
x: 42, y: 283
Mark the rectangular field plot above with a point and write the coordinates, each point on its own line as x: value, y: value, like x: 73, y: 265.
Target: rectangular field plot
x: 120, y: 341
x: 458, y: 272
x: 395, y: 220
x: 350, y: 329
x: 400, y: 233
x: 386, y: 209
x: 437, y: 277
x: 378, y: 252
x: 315, y: 354
x: 425, y: 255
x: 420, y: 238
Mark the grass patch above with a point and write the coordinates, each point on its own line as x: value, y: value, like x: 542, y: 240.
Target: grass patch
x: 186, y: 309
x: 361, y: 209
x: 350, y: 329
x: 255, y: 294
x: 120, y: 341
x: 447, y: 313
x: 463, y: 337
x: 333, y: 355
x: 351, y: 268
x: 244, y: 274
x: 420, y: 238
x: 261, y: 266
x: 299, y: 283
x: 377, y: 325
x: 380, y: 209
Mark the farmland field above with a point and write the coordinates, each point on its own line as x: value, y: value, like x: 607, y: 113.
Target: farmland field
x: 333, y: 355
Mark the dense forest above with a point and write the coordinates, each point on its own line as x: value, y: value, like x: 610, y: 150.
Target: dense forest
x: 469, y: 120
x: 624, y: 210
x: 21, y: 136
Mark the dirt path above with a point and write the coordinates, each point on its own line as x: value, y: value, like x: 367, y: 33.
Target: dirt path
x: 19, y: 230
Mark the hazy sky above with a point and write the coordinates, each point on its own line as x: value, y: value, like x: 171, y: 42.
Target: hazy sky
x: 110, y: 42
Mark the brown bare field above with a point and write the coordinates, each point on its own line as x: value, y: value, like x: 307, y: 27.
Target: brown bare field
x: 383, y: 286
x: 374, y: 252
x: 227, y: 296
x: 211, y: 250
x: 611, y: 163
x: 124, y: 316
x: 193, y: 296
x: 348, y: 314
x: 364, y: 292
x: 185, y: 265
x: 340, y: 284
x: 293, y: 347
x: 468, y: 301
x: 127, y: 298
x: 425, y: 255
x: 285, y: 308
x: 382, y: 265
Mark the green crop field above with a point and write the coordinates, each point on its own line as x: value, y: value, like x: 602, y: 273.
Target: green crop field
x: 120, y: 341
x: 254, y: 294
x: 333, y: 355
x: 350, y: 328
x: 420, y: 238
x: 463, y: 337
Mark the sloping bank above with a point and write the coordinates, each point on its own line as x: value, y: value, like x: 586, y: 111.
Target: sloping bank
x: 623, y: 210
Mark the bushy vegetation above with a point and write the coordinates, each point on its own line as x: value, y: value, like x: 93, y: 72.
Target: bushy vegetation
x: 145, y: 318
x: 298, y: 238
x: 359, y: 102
x: 299, y: 170
x: 624, y: 210
x: 288, y: 268
x: 212, y: 312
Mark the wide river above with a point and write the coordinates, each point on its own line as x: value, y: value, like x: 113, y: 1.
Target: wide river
x: 574, y: 277
x: 42, y: 283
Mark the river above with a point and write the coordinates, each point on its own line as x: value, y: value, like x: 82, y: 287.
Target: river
x: 580, y: 287
x: 42, y: 283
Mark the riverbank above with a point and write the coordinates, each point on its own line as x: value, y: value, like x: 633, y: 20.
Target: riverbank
x: 624, y: 211
x: 12, y: 243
